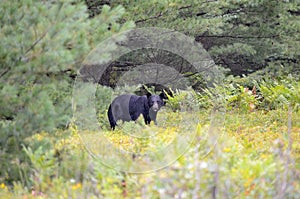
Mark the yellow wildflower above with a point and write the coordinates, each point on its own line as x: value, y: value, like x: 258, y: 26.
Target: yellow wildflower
x: 76, y: 186
x: 2, y: 186
x: 226, y: 149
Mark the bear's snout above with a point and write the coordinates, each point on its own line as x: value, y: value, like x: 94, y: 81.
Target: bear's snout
x: 155, y: 107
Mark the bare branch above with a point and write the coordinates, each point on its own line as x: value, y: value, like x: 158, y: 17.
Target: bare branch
x: 152, y: 17
x: 237, y: 36
x: 5, y: 71
x: 36, y: 42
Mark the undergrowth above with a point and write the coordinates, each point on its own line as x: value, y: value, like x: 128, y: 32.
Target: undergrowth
x: 246, y: 145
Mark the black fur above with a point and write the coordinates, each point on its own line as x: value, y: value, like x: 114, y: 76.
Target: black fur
x: 129, y: 107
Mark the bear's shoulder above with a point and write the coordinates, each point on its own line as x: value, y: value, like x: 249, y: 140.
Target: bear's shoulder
x: 139, y: 100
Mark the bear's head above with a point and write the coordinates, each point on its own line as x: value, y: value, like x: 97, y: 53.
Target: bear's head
x: 155, y: 102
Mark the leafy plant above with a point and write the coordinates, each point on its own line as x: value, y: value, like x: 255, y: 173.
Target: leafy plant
x: 280, y: 94
x: 45, y: 43
x: 182, y: 100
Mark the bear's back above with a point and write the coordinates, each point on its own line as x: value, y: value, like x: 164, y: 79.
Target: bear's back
x: 120, y: 107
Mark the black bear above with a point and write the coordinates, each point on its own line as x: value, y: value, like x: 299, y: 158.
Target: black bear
x: 129, y: 107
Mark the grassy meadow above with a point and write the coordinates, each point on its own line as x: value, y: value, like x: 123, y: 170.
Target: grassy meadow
x: 225, y: 153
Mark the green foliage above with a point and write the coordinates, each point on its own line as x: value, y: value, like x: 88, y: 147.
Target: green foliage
x: 261, y: 94
x: 183, y: 100
x: 44, y: 164
x: 103, y: 97
x: 281, y: 94
x: 216, y: 96
x: 249, y: 161
x: 244, y: 36
x: 43, y: 46
x: 244, y: 99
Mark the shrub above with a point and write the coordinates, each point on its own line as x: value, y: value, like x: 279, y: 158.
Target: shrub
x: 43, y: 46
x: 280, y: 94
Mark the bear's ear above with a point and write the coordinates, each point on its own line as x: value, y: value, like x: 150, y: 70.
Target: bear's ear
x: 163, y: 95
x: 148, y: 94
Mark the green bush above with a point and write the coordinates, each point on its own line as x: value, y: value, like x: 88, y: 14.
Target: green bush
x: 182, y: 100
x: 280, y: 94
x: 44, y: 44
x: 265, y: 95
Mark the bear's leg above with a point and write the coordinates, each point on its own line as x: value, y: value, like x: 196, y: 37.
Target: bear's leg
x: 152, y: 116
x: 146, y: 118
x: 111, y: 118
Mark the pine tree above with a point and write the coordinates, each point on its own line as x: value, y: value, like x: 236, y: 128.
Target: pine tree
x: 43, y: 44
x: 244, y: 36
